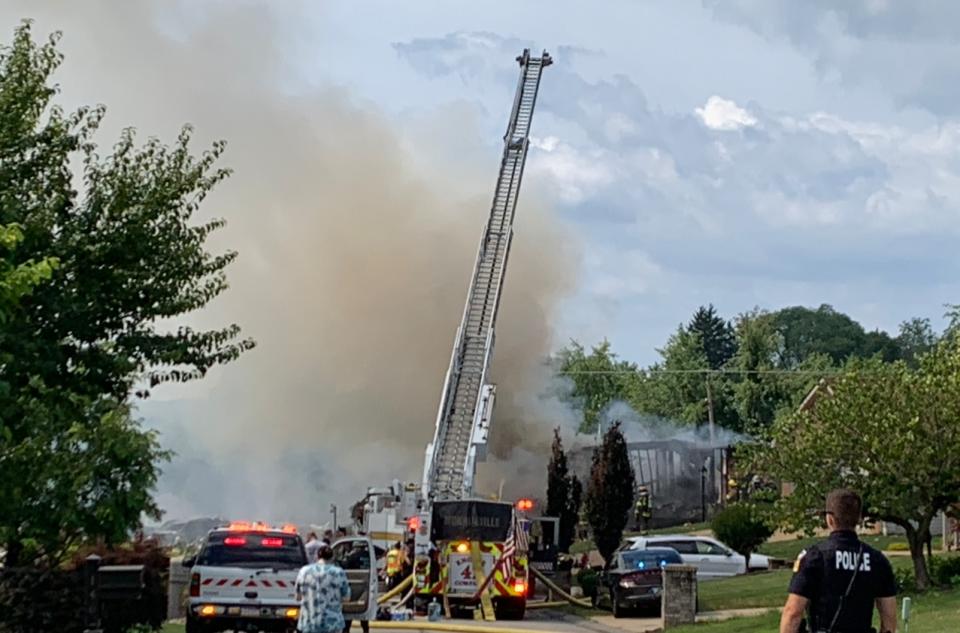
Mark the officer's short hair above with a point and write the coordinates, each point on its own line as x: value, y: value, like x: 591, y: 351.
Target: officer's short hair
x: 846, y: 507
x: 325, y: 553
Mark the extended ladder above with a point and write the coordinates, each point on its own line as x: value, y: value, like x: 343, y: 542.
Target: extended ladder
x: 466, y: 405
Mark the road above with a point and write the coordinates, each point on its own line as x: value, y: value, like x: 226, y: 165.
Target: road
x: 545, y: 621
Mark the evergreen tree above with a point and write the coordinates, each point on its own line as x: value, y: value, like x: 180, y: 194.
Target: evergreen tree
x: 716, y: 336
x: 563, y: 493
x: 610, y: 492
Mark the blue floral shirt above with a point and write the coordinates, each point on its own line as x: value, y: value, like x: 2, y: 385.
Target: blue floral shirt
x: 322, y: 587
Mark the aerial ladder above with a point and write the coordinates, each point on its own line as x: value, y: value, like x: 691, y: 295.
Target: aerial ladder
x: 466, y: 403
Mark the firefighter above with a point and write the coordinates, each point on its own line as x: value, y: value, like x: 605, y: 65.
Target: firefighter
x: 394, y: 570
x: 642, y: 510
x: 408, y: 558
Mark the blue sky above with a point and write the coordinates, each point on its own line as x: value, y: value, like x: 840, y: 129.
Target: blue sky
x: 745, y: 153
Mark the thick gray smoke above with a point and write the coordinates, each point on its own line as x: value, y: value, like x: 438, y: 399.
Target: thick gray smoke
x: 353, y: 263
x: 639, y: 427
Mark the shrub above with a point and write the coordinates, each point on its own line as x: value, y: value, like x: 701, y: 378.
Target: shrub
x: 898, y: 546
x: 742, y: 527
x: 945, y: 571
x: 906, y: 583
x: 588, y: 580
x: 40, y: 601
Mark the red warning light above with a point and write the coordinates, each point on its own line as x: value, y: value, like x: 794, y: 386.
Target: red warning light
x: 525, y: 504
x: 413, y: 523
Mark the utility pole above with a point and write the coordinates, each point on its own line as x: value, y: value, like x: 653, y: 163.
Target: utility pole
x: 703, y: 494
x: 333, y: 509
x: 710, y: 420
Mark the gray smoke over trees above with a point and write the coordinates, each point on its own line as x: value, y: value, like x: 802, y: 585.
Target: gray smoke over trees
x: 356, y: 233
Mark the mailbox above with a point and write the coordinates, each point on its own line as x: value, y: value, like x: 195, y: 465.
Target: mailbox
x: 121, y: 582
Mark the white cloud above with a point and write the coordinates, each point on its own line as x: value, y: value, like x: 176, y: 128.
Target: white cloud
x: 725, y: 115
x: 622, y: 275
x: 576, y: 173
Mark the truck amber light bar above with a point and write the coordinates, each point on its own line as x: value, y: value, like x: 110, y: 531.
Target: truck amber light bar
x: 462, y: 547
x: 292, y: 613
x: 208, y: 610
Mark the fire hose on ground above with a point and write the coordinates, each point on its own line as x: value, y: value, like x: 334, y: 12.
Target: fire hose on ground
x: 567, y: 598
x: 553, y: 587
x: 396, y: 590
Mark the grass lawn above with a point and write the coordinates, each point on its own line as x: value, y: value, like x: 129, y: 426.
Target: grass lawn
x: 789, y: 549
x: 172, y: 628
x: 934, y: 612
x: 759, y: 589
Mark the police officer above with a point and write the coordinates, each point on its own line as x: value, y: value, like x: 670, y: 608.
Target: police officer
x: 839, y: 580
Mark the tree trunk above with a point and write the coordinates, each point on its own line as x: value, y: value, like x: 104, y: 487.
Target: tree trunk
x: 917, y: 538
x: 14, y: 551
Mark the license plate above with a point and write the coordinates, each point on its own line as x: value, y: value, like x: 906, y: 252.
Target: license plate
x: 249, y: 611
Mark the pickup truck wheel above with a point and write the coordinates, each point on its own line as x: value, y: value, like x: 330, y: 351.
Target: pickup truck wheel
x: 194, y: 627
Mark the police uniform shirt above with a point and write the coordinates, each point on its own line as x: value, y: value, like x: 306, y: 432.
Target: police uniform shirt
x: 823, y: 573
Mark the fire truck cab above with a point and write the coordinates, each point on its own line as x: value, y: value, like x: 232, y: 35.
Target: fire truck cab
x: 460, y: 538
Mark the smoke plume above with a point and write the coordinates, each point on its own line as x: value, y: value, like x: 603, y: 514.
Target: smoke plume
x: 356, y: 243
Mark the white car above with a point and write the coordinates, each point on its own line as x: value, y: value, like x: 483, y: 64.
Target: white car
x: 712, y: 558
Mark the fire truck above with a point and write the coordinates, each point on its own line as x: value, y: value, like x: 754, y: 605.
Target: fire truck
x: 470, y: 551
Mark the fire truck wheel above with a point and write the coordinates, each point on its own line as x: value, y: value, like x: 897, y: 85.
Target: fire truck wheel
x: 510, y: 608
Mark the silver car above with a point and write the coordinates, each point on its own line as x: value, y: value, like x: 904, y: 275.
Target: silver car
x: 712, y: 558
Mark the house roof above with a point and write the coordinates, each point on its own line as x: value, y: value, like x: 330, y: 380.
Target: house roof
x: 822, y: 387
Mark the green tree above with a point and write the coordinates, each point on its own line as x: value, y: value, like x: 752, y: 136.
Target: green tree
x: 597, y: 379
x: 716, y: 336
x: 609, y: 492
x: 18, y: 280
x: 916, y: 337
x: 888, y: 432
x: 743, y: 526
x: 806, y: 332
x: 764, y: 388
x: 129, y: 256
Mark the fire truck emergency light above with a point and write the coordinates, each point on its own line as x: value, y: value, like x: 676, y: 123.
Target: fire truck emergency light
x: 525, y: 504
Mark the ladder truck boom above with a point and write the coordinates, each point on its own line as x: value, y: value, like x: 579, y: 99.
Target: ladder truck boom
x: 466, y: 403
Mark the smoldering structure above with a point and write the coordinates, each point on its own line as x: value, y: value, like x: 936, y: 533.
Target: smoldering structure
x: 686, y: 479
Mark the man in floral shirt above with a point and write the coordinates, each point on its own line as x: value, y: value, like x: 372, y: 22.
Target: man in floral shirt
x: 321, y: 589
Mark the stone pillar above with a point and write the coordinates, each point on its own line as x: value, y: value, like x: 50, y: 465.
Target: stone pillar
x: 679, y: 602
x: 176, y: 588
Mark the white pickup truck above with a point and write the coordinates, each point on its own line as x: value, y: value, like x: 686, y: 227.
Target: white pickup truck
x: 244, y: 579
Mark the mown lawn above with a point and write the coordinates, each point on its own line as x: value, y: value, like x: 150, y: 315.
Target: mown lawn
x: 758, y: 589
x: 761, y: 589
x: 789, y: 549
x: 934, y: 612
